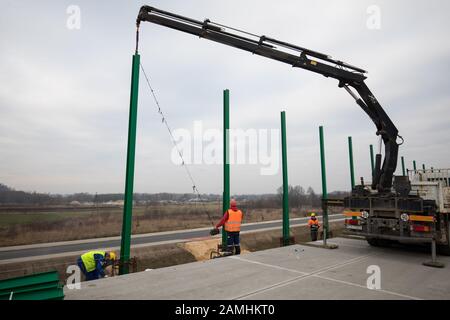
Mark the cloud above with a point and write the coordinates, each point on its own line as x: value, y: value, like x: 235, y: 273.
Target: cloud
x: 65, y: 93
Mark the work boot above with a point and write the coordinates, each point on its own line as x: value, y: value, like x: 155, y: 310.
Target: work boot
x: 237, y: 250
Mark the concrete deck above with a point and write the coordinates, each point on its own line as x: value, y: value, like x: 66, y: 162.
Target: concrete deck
x: 294, y: 272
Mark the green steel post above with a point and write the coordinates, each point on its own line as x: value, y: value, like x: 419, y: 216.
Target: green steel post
x: 226, y: 159
x: 285, y: 180
x: 414, y: 165
x: 372, y: 161
x: 403, y: 166
x: 129, y: 178
x: 350, y: 156
x: 324, y: 186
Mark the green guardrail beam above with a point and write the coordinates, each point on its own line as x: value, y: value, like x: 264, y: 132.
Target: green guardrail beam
x: 40, y: 286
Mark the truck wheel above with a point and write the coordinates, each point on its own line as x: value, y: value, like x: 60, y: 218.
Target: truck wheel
x: 373, y: 242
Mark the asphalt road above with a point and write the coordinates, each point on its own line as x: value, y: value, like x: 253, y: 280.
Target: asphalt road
x: 182, y: 235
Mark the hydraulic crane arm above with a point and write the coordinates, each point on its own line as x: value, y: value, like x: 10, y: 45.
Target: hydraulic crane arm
x: 347, y: 75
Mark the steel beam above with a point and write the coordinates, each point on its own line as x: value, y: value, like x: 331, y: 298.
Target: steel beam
x: 372, y: 160
x: 285, y: 180
x: 324, y: 186
x: 403, y: 166
x: 129, y: 178
x: 226, y: 159
x: 350, y: 157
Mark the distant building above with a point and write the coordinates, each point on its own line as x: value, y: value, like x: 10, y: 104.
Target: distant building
x: 117, y: 203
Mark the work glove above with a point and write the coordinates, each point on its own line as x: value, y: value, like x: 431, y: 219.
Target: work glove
x: 214, y: 231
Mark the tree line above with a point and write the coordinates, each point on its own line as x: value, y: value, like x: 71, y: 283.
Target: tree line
x: 298, y: 197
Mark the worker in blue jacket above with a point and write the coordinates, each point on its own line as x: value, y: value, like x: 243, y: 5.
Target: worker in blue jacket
x: 93, y: 263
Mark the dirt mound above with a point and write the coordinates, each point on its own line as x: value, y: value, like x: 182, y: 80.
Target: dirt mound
x: 201, y: 249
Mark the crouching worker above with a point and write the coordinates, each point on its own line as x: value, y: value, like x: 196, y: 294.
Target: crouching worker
x: 313, y: 224
x: 93, y: 263
x: 231, y: 221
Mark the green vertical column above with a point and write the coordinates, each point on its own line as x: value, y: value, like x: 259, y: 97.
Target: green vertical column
x: 226, y: 159
x: 285, y: 181
x: 129, y: 178
x: 403, y: 166
x: 324, y: 186
x: 372, y: 161
x: 414, y: 165
x: 350, y: 157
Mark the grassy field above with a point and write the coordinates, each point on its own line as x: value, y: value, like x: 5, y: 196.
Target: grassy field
x: 59, y: 224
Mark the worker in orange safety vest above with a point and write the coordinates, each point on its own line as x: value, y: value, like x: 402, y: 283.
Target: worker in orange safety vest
x: 314, y: 225
x: 231, y: 221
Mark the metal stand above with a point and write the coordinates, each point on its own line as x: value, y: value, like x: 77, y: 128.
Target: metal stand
x: 129, y: 264
x: 220, y: 252
x: 433, y: 263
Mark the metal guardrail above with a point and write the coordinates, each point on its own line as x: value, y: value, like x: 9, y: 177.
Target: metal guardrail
x: 40, y: 286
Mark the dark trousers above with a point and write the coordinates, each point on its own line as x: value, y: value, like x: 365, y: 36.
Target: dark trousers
x: 314, y: 232
x: 93, y: 275
x: 233, y: 242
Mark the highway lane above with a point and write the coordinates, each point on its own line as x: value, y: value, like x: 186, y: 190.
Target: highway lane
x: 181, y: 235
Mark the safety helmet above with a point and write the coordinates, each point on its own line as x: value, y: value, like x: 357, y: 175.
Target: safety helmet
x: 112, y: 255
x: 313, y: 214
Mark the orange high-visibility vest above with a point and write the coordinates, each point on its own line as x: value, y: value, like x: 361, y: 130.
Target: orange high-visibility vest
x: 234, y: 221
x: 313, y: 222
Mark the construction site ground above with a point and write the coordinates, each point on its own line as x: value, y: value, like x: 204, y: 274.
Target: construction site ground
x: 292, y: 272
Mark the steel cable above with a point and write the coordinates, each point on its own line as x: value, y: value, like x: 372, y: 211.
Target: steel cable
x: 183, y: 163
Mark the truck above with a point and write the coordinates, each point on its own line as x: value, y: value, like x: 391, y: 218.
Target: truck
x: 418, y: 212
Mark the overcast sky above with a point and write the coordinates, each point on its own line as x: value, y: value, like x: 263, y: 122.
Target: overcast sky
x: 64, y: 93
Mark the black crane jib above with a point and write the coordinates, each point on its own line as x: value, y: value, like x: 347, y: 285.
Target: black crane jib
x: 299, y: 57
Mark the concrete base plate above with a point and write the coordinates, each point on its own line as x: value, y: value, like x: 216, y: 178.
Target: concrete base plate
x: 353, y: 271
x: 434, y: 264
x: 320, y: 244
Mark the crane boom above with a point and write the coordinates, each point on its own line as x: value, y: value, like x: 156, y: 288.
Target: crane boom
x: 348, y: 76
